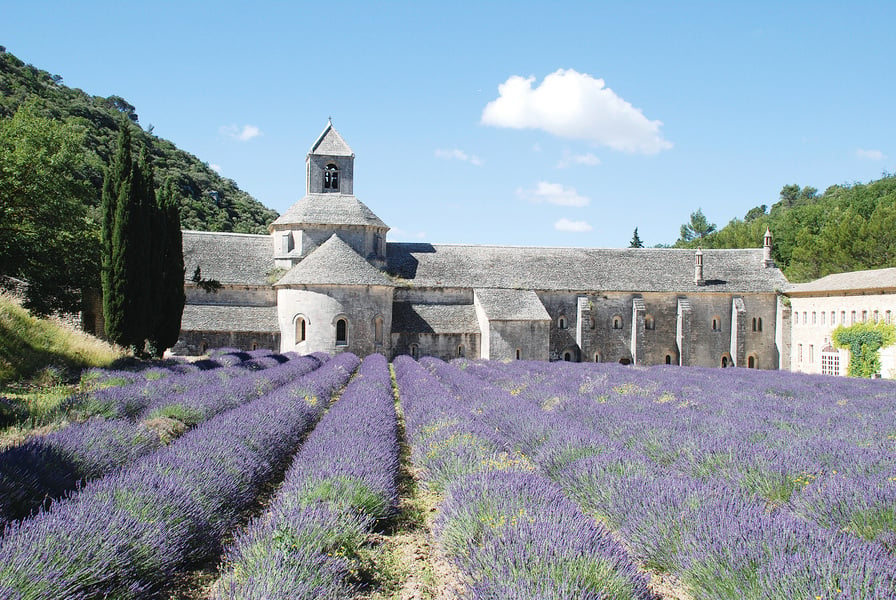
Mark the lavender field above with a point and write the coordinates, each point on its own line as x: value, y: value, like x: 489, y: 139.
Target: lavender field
x: 283, y: 479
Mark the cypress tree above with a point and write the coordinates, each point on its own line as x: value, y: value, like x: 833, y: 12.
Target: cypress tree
x: 169, y: 283
x: 636, y: 241
x: 116, y: 186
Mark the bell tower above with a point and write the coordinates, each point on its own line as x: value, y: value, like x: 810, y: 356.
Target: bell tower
x: 330, y: 165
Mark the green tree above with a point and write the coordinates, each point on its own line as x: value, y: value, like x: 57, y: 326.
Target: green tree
x: 636, y: 241
x: 697, y: 228
x: 49, y: 237
x: 864, y: 341
x: 169, y: 271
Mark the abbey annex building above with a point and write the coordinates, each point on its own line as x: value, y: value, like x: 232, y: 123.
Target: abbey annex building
x: 327, y: 280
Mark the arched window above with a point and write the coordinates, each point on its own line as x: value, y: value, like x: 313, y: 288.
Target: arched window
x: 751, y: 362
x: 461, y: 352
x: 331, y: 178
x: 519, y: 354
x: 726, y: 361
x: 716, y: 324
x: 668, y: 359
x: 203, y: 347
x: 833, y: 318
x: 378, y: 330
x: 301, y: 329
x: 649, y: 324
x: 415, y: 351
x: 561, y: 323
x: 754, y: 324
x: 567, y: 356
x: 342, y: 332
x: 597, y: 357
x: 617, y: 322
x: 255, y: 345
x: 888, y: 317
x: 759, y: 322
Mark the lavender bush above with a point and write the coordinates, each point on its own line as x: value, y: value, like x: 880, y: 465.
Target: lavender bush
x: 340, y: 483
x: 125, y: 535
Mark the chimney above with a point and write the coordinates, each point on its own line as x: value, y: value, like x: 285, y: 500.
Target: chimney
x: 698, y: 268
x: 767, y: 249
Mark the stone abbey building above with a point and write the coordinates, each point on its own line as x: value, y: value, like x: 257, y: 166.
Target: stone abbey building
x: 326, y: 279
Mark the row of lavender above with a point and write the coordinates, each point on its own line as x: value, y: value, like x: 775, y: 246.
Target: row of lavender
x: 46, y: 467
x: 510, y: 530
x: 127, y: 534
x: 743, y: 483
x: 341, y: 482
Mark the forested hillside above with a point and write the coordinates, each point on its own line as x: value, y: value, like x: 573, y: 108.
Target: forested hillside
x: 210, y: 202
x: 846, y: 228
x: 55, y: 146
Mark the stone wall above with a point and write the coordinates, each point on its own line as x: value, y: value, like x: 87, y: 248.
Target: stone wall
x: 440, y: 345
x: 197, y: 343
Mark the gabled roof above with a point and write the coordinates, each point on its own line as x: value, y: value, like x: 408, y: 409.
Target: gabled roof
x: 434, y: 318
x: 230, y: 258
x: 329, y: 209
x: 330, y: 143
x: 875, y: 279
x: 511, y: 305
x: 597, y: 269
x: 334, y: 263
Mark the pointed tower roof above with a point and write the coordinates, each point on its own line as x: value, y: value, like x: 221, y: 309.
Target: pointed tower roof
x: 334, y: 263
x: 330, y: 143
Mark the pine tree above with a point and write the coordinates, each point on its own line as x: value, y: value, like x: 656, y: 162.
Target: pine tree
x: 636, y: 241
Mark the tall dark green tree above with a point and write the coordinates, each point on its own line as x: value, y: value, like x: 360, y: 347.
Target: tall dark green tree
x: 636, y: 241
x: 169, y: 298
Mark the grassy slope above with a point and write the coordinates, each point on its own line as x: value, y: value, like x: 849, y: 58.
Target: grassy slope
x: 29, y: 345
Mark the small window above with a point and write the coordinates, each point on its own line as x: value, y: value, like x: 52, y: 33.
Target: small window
x: 833, y: 318
x: 597, y: 357
x: 888, y: 319
x: 759, y: 321
x: 716, y: 324
x: 754, y: 324
x: 461, y: 352
x: 331, y: 178
x: 342, y: 332
x: 203, y: 347
x: 649, y: 324
x: 301, y: 330
x: 876, y: 316
x: 726, y: 361
x: 378, y: 330
x: 864, y: 316
x: 617, y: 322
x: 284, y: 243
x: 822, y: 317
x: 255, y: 345
x: 805, y: 318
x: 415, y: 351
x: 843, y: 317
x: 668, y: 359
x: 813, y: 318
x: 519, y: 354
x: 751, y: 362
x: 567, y: 356
x: 811, y: 353
x: 852, y: 317
x: 799, y: 355
x: 561, y: 323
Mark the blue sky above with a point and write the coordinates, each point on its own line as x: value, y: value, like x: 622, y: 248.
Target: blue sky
x: 526, y: 123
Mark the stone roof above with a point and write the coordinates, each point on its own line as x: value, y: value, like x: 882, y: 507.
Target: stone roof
x: 434, y: 318
x: 597, y: 269
x: 334, y: 263
x: 230, y: 258
x: 330, y: 143
x: 212, y: 317
x: 511, y: 305
x: 875, y: 279
x: 329, y: 209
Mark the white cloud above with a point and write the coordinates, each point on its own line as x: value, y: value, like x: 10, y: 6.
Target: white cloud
x: 456, y: 154
x: 870, y: 154
x: 569, y: 160
x: 574, y: 105
x: 244, y: 134
x: 553, y: 193
x: 215, y: 168
x: 565, y: 224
